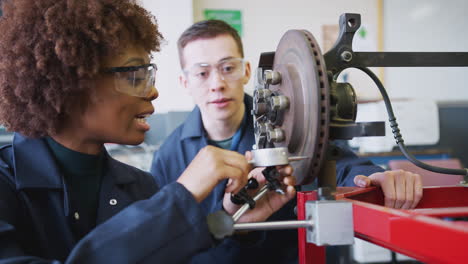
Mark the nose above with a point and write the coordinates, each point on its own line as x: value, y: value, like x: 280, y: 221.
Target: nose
x: 216, y: 81
x: 153, y: 94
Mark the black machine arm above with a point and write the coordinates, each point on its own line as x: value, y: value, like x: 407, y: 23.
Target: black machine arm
x: 342, y: 56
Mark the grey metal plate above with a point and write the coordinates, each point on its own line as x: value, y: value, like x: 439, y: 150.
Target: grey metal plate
x: 304, y: 80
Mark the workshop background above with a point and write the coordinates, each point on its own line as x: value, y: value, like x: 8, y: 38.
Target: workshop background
x: 431, y: 104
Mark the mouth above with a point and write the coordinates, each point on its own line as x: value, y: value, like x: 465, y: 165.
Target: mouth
x: 141, y: 118
x: 220, y: 101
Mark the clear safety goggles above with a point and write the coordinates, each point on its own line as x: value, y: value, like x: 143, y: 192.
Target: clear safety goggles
x: 134, y: 80
x: 229, y: 70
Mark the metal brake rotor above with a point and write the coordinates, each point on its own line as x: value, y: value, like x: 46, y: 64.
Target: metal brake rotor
x: 303, y: 81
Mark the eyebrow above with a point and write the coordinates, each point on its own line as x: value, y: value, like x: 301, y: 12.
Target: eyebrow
x: 226, y: 58
x: 131, y: 60
x: 223, y: 59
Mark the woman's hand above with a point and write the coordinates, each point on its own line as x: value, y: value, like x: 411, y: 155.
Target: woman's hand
x: 212, y: 165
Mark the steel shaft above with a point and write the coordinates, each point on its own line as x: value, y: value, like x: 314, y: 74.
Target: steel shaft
x: 293, y: 224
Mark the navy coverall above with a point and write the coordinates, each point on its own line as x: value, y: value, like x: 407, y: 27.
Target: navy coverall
x: 136, y: 221
x: 278, y: 246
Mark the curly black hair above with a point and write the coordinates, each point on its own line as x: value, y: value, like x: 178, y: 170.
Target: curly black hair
x: 52, y: 50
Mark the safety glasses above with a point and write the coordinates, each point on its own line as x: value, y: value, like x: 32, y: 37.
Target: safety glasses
x: 230, y: 70
x: 134, y: 80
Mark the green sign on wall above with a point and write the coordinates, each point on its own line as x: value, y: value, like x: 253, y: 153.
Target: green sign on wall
x: 232, y: 17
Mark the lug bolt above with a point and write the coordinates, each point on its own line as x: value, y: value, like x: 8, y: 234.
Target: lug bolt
x: 272, y: 77
x: 275, y: 135
x: 279, y: 102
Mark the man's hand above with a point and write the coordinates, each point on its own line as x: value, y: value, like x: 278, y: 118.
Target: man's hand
x: 402, y: 189
x: 270, y: 202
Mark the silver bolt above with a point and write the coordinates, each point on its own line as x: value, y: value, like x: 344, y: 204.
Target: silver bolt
x: 346, y: 56
x: 275, y: 135
x: 272, y: 77
x: 260, y: 109
x: 261, y: 127
x: 260, y: 97
x: 263, y: 93
x: 279, y: 102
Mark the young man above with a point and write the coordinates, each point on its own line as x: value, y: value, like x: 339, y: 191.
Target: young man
x: 214, y: 73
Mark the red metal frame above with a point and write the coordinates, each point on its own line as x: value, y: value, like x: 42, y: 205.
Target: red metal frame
x: 423, y: 233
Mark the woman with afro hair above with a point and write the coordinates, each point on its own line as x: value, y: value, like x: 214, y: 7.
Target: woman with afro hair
x: 75, y: 74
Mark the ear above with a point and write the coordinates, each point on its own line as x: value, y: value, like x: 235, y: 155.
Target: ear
x: 183, y: 82
x: 248, y: 72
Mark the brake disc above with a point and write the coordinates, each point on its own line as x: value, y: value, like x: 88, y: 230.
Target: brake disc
x: 304, y: 124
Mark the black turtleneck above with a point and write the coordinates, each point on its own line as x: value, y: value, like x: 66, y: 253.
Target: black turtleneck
x: 82, y: 174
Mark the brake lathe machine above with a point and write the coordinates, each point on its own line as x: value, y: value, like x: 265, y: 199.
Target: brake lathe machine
x: 299, y: 108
